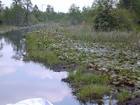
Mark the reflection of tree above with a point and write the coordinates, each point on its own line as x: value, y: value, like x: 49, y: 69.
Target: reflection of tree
x: 16, y: 41
x: 1, y: 47
x: 18, y: 51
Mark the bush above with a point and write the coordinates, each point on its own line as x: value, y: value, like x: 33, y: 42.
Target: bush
x: 125, y: 20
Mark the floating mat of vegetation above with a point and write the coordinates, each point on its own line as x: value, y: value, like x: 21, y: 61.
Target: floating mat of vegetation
x: 115, y: 62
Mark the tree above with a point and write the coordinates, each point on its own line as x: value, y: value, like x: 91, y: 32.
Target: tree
x: 1, y: 12
x: 133, y: 6
x: 35, y: 8
x: 87, y: 14
x: 17, y: 2
x: 49, y: 9
x: 75, y: 14
x: 104, y: 19
x: 136, y: 6
x: 1, y: 5
x: 17, y: 12
x: 6, y: 16
x: 28, y: 6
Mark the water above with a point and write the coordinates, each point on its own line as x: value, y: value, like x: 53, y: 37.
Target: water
x: 20, y: 80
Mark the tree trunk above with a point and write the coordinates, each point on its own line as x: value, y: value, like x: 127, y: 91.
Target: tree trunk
x: 27, y: 16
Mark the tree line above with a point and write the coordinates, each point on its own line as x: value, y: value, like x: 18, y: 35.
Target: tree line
x: 22, y: 12
x: 103, y: 15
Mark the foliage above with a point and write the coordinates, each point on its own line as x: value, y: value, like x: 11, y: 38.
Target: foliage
x: 103, y: 15
x: 74, y: 14
x: 28, y: 6
x: 37, y: 53
x: 125, y: 20
x: 104, y: 19
x: 112, y: 62
x: 1, y: 12
x: 133, y: 6
x: 18, y: 13
x: 49, y: 9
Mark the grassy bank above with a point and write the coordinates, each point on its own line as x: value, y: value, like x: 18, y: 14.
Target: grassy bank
x: 103, y: 62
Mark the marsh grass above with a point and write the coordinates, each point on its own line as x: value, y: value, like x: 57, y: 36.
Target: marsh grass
x: 124, y: 95
x: 52, y: 58
x: 37, y: 51
x: 47, y: 46
x: 93, y: 91
x: 85, y: 78
x: 88, y: 34
x: 88, y: 86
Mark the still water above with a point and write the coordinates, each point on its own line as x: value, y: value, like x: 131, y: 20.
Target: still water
x: 20, y: 80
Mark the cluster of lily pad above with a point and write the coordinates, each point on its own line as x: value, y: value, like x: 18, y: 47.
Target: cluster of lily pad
x: 120, y: 65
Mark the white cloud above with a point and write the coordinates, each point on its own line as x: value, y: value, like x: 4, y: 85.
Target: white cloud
x: 7, y: 67
x: 46, y: 74
x: 14, y: 91
x: 7, y: 70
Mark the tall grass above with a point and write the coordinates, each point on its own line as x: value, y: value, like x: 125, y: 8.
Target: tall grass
x: 88, y: 86
x: 88, y: 78
x: 86, y: 33
x: 93, y: 91
x: 124, y: 95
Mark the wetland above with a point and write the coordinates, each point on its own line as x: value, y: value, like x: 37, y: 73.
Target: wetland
x: 88, y: 67
x: 102, y: 64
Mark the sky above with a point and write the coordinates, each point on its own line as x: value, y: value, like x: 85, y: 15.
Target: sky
x: 58, y: 5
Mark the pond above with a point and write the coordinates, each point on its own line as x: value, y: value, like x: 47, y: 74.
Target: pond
x: 20, y: 80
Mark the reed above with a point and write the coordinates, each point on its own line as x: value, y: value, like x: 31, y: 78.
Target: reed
x: 93, y: 91
x: 88, y: 34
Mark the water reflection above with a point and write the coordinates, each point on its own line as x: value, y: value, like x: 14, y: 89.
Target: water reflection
x: 20, y: 80
x: 15, y: 40
x: 24, y: 82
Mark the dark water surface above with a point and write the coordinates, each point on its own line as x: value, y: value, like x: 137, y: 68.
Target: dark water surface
x: 20, y: 80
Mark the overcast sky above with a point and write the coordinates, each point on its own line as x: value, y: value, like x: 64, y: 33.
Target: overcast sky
x: 58, y: 5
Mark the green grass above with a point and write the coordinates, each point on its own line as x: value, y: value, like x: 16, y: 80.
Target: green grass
x: 88, y: 86
x: 51, y: 48
x: 124, y: 95
x: 37, y: 51
x: 93, y: 91
x: 85, y: 78
x: 88, y: 34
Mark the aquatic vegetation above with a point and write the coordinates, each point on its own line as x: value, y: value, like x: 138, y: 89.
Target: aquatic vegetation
x: 86, y: 33
x: 123, y: 95
x: 111, y: 60
x: 93, y: 92
x: 86, y: 85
